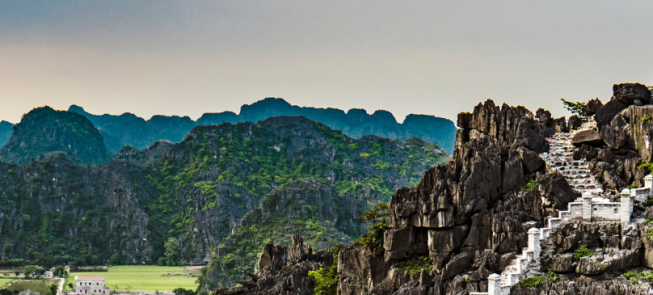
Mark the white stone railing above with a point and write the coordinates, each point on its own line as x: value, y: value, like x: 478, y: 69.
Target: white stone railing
x: 641, y: 194
x: 591, y: 208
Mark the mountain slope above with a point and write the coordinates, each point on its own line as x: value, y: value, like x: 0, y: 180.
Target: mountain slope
x: 174, y: 203
x: 5, y: 132
x: 43, y: 131
x: 128, y: 129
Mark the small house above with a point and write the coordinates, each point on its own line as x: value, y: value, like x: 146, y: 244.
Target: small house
x: 91, y: 285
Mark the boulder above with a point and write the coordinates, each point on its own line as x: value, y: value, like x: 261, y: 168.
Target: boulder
x: 591, y: 137
x: 574, y: 122
x: 629, y: 93
x: 607, y: 112
x: 456, y: 265
x: 592, y: 107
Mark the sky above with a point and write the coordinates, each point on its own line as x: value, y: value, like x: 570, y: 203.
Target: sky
x: 423, y: 57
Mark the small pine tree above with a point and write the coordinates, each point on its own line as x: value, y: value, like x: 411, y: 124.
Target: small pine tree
x: 574, y: 107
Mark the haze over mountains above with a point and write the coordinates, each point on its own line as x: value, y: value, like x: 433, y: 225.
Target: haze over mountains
x: 129, y: 129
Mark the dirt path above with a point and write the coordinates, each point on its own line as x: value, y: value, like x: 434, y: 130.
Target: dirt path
x: 60, y: 289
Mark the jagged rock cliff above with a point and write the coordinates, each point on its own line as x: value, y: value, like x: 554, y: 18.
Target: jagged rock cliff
x: 467, y: 217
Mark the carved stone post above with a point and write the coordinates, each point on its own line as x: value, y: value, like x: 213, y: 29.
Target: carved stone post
x: 587, y: 206
x: 534, y: 242
x: 494, y: 284
x: 648, y: 181
x: 626, y: 206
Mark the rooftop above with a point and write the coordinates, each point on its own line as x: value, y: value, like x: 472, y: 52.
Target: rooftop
x: 82, y: 278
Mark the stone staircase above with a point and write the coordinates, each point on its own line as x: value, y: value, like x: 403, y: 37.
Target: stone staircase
x: 560, y: 158
x: 592, y: 206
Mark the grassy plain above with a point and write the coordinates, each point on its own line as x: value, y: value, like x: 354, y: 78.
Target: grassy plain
x: 4, y: 282
x: 142, y: 277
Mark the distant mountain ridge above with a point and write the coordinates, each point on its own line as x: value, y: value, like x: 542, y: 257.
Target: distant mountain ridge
x: 129, y: 129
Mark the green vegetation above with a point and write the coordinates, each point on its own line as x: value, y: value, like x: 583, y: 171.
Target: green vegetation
x: 632, y: 186
x: 416, y: 264
x: 646, y: 118
x: 530, y: 186
x: 206, y: 194
x: 326, y: 278
x: 142, y: 277
x: 41, y: 286
x: 646, y: 166
x: 379, y: 219
x: 645, y: 275
x: 649, y: 201
x: 4, y: 282
x: 581, y: 252
x: 574, y: 107
x: 538, y: 281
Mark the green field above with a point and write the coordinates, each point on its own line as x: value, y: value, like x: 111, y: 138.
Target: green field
x: 142, y: 277
x: 40, y: 286
x: 4, y: 282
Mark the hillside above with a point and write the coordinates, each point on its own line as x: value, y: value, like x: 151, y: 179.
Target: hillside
x: 174, y: 203
x: 529, y: 204
x: 44, y: 131
x: 5, y: 132
x: 128, y: 129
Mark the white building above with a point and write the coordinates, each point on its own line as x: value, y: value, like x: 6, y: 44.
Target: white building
x: 91, y: 285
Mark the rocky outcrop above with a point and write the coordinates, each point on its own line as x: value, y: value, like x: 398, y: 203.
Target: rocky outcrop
x: 574, y: 122
x: 611, y: 247
x: 281, y: 275
x: 591, y: 108
x: 607, y: 112
x: 466, y: 208
x: 632, y: 93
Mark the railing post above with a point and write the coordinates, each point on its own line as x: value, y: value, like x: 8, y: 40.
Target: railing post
x: 494, y: 284
x: 587, y: 206
x: 648, y: 181
x: 534, y: 242
x: 626, y: 206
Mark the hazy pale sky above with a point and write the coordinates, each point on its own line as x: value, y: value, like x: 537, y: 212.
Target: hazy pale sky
x: 428, y: 57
